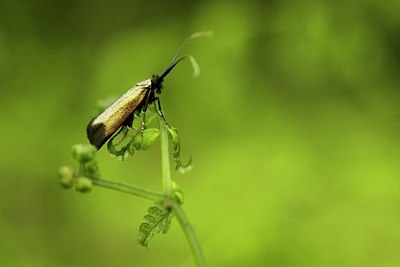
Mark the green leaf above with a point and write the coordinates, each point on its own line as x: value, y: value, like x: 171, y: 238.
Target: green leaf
x: 129, y: 140
x: 177, y: 192
x: 143, y: 141
x: 156, y: 221
x: 119, y: 145
x: 184, y: 168
x: 176, y: 153
x: 150, y: 115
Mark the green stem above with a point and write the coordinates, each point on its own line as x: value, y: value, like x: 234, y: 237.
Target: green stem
x: 177, y: 209
x: 133, y: 190
x: 165, y: 165
x: 190, y: 236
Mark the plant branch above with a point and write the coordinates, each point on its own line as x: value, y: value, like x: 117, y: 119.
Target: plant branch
x: 133, y: 190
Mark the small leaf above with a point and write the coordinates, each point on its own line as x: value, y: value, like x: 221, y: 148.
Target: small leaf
x: 184, y: 168
x: 177, y: 193
x: 144, y: 227
x: 149, y: 218
x: 176, y: 153
x: 167, y: 224
x: 156, y: 211
x: 173, y: 134
x: 119, y: 145
x: 143, y: 141
x: 150, y: 115
x: 156, y: 221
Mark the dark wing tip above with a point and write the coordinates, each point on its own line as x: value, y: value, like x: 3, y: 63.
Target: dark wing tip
x: 96, y: 134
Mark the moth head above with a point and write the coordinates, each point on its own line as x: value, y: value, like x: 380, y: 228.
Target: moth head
x: 156, y: 82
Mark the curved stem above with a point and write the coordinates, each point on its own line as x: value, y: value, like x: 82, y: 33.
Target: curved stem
x: 190, y: 236
x: 133, y: 190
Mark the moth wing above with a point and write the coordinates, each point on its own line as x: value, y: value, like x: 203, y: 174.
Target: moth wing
x: 103, y: 126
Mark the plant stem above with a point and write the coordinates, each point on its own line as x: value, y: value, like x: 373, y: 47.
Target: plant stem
x: 177, y: 209
x: 165, y: 165
x: 133, y: 190
x: 190, y: 236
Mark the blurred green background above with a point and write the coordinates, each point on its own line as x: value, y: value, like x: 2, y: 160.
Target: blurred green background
x: 293, y: 125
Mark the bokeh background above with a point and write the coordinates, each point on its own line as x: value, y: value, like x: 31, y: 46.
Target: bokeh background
x: 293, y: 126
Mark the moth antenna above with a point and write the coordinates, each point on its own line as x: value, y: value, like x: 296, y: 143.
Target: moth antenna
x: 195, y: 65
x: 190, y: 38
x: 191, y: 58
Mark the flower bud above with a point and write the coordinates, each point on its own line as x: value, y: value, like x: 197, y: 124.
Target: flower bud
x: 83, y: 184
x: 67, y: 176
x: 83, y: 152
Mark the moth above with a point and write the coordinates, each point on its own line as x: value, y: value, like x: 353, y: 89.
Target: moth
x: 134, y: 101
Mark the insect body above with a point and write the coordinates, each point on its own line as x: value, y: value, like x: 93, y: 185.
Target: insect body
x: 135, y: 100
x: 102, y: 127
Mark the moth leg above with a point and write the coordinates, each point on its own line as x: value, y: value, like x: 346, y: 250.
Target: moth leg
x: 143, y: 119
x: 146, y: 103
x: 159, y: 110
x: 121, y: 129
